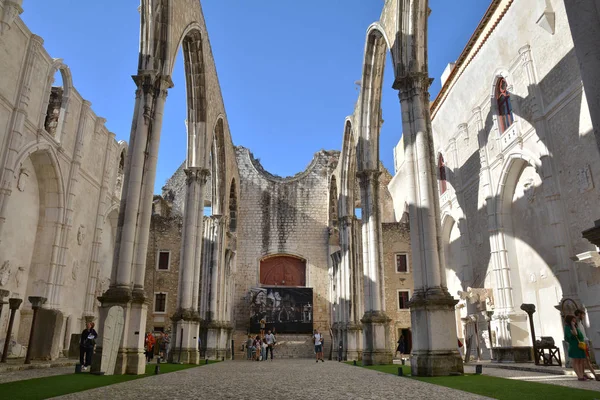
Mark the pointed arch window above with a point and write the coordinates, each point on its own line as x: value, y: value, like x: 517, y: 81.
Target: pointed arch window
x: 442, y: 174
x: 505, y: 112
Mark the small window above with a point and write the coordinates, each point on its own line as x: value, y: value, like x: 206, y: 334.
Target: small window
x: 159, y: 329
x: 442, y: 171
x: 403, y: 297
x: 401, y: 263
x: 164, y: 258
x: 160, y: 302
x: 505, y: 112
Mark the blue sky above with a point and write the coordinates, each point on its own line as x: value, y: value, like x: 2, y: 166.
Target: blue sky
x: 287, y: 69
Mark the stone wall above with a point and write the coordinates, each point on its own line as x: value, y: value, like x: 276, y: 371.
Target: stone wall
x: 59, y: 190
x: 283, y: 216
x: 520, y: 191
x: 396, y: 240
x: 165, y: 235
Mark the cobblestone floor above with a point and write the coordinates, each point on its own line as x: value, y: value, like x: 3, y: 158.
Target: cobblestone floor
x: 529, y: 376
x: 34, y: 373
x: 280, y: 379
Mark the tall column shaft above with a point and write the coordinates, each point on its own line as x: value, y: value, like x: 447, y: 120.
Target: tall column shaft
x: 432, y: 308
x: 215, y: 267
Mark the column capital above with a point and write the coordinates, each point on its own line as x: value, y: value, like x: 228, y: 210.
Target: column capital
x: 411, y: 81
x: 196, y: 174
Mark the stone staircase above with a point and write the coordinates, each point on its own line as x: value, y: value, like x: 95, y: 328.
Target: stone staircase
x: 288, y: 346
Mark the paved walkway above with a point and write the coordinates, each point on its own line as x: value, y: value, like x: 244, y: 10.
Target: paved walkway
x: 280, y: 379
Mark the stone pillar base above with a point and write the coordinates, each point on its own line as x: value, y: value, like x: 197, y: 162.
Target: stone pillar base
x: 435, y: 344
x: 435, y: 363
x: 354, y: 349
x: 216, y: 341
x: 185, y: 333
x: 376, y: 334
x: 130, y: 356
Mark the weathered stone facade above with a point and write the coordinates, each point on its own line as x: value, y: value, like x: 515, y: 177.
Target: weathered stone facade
x: 59, y: 195
x: 519, y: 187
x: 165, y: 237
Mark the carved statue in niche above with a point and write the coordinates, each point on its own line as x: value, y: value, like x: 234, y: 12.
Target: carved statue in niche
x: 4, y: 273
x: 81, y: 235
x: 119, y: 184
x: 529, y: 190
x: 19, y: 276
x: 22, y: 181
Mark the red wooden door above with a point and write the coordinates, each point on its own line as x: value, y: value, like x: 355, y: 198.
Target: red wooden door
x: 283, y: 271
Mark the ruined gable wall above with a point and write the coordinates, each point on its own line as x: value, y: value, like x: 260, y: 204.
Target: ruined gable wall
x: 283, y: 216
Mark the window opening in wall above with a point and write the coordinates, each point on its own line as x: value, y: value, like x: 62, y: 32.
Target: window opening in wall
x: 208, y: 211
x: 160, y: 302
x: 163, y: 260
x: 505, y: 113
x: 358, y: 212
x: 401, y: 263
x: 442, y: 173
x: 403, y: 297
x: 159, y: 329
x: 54, y: 105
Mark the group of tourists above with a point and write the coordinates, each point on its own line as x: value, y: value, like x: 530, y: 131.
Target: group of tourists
x: 258, y: 347
x: 159, y: 345
x: 579, y: 345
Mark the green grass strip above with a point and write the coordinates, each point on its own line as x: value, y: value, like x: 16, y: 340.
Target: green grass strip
x: 51, y: 386
x: 498, y: 388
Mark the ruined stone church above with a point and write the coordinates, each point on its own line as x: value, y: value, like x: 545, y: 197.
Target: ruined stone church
x: 494, y: 183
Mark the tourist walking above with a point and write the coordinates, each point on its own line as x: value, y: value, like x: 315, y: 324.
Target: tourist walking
x: 257, y: 348
x: 574, y: 338
x: 263, y: 324
x: 318, y: 341
x: 400, y: 348
x: 580, y: 318
x: 270, y: 340
x: 249, y: 347
x: 87, y: 342
x: 150, y: 341
x: 263, y: 350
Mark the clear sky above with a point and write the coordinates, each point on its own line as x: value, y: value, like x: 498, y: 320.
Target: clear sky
x: 287, y: 69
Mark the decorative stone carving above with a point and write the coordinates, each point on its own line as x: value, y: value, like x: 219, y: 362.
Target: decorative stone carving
x: 22, y: 181
x: 19, y: 276
x: 80, y: 235
x: 12, y: 8
x: 5, y: 273
x: 479, y: 295
x: 584, y: 179
x: 75, y: 270
x: 529, y: 190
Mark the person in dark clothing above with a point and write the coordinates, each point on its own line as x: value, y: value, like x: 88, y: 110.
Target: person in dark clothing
x: 86, y: 345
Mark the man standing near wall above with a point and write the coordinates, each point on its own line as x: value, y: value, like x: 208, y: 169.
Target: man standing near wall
x: 270, y: 343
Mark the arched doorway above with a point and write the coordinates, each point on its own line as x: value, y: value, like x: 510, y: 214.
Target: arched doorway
x: 283, y: 270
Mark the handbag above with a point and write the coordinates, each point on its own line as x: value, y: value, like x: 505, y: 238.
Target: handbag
x: 581, y: 345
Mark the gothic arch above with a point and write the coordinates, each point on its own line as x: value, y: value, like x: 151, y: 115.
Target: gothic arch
x: 348, y: 172
x: 370, y: 118
x: 63, y: 97
x: 218, y: 165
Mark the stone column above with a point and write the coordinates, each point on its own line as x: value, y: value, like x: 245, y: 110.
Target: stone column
x: 434, y: 349
x: 186, y: 319
x: 350, y: 343
x: 126, y: 289
x: 36, y: 304
x: 14, y: 305
x: 375, y: 321
x: 216, y: 347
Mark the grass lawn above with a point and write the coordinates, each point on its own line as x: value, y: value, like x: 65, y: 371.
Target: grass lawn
x: 498, y: 388
x: 51, y: 386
